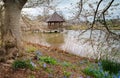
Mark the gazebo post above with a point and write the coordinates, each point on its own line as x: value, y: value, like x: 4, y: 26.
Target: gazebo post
x: 59, y: 25
x: 48, y: 24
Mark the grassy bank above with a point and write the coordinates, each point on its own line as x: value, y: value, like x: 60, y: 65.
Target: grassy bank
x: 45, y: 62
x: 51, y: 62
x: 84, y: 27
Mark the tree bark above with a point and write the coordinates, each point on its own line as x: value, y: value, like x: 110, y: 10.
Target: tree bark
x: 11, y: 31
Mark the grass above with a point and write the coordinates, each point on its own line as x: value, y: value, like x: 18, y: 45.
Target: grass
x: 30, y: 49
x: 67, y: 74
x: 66, y: 64
x: 78, y: 27
x: 111, y: 66
x: 31, y: 76
x: 52, y: 64
x: 48, y: 59
x: 91, y: 72
x: 19, y: 64
x: 84, y: 27
x: 104, y: 69
x: 22, y: 64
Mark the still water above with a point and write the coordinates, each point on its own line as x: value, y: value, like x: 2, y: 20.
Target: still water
x: 76, y: 42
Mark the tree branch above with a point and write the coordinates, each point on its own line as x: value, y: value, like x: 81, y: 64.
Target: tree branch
x: 104, y: 20
x: 96, y: 13
x: 95, y: 17
x: 80, y: 7
x: 103, y: 13
x: 21, y: 3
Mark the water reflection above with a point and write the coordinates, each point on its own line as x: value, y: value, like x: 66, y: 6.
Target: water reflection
x: 54, y: 39
x: 46, y: 39
x: 75, y: 43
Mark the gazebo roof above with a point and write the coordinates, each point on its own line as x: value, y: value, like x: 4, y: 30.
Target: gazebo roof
x: 55, y: 18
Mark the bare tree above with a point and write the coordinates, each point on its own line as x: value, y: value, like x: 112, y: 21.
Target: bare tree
x: 99, y: 15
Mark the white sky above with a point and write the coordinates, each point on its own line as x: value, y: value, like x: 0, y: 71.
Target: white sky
x: 66, y: 8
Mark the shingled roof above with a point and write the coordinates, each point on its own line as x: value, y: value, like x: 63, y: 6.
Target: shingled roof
x: 55, y: 18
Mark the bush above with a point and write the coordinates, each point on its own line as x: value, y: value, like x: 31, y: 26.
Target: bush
x: 48, y: 59
x: 22, y: 64
x: 99, y: 72
x: 112, y: 67
x: 93, y: 72
x: 30, y: 65
x: 19, y: 64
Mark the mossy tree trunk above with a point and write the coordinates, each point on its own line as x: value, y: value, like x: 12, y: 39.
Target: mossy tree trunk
x: 11, y: 31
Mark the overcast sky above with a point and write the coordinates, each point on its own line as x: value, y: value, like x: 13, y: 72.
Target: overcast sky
x: 63, y: 7
x: 66, y: 8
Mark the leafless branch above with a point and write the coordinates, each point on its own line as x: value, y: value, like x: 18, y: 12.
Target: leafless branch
x: 93, y: 19
x: 95, y: 15
x: 80, y: 6
x: 104, y: 21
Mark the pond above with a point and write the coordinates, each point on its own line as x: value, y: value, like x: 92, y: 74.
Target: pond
x: 75, y: 42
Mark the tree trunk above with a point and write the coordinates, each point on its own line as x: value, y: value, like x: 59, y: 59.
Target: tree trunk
x: 11, y: 31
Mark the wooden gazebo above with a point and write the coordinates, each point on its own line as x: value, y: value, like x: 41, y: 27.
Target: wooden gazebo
x: 55, y: 21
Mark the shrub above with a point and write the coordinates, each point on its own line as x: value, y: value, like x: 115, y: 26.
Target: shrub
x: 19, y: 64
x: 48, y: 59
x: 92, y: 72
x: 98, y: 71
x: 30, y: 65
x: 112, y: 67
